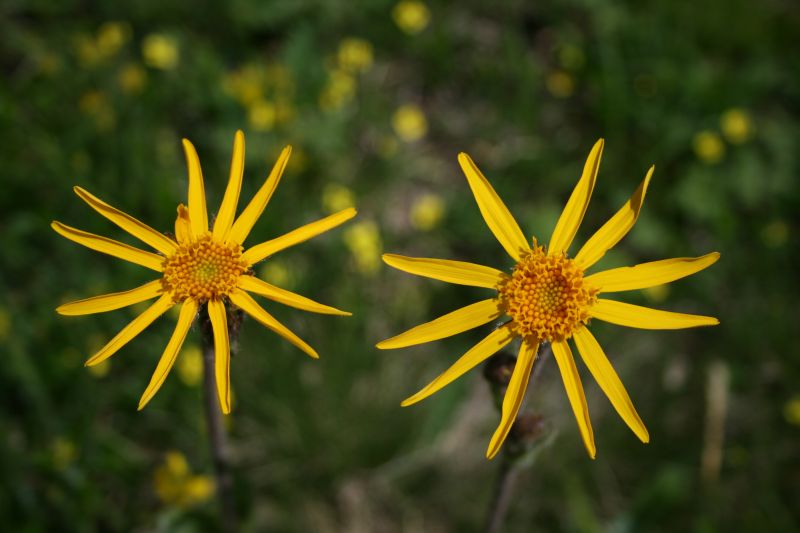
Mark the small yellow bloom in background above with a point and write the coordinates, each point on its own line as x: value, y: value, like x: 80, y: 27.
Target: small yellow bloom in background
x: 336, y: 197
x: 5, y: 323
x: 355, y: 55
x: 560, y: 84
x: 409, y: 123
x: 775, y: 234
x: 364, y: 241
x: 427, y: 211
x: 338, y: 91
x: 657, y: 293
x: 132, y: 78
x: 190, y: 366
x: 160, y: 51
x: 175, y: 485
x: 111, y: 36
x: 791, y: 411
x: 284, y: 111
x: 708, y: 147
x: 277, y: 272
x: 261, y: 115
x: 549, y: 297
x: 96, y: 105
x: 736, y: 125
x: 411, y: 16
x: 100, y: 370
x: 63, y: 452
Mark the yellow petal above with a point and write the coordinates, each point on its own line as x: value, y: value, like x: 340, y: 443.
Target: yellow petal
x: 257, y: 286
x: 615, y: 229
x: 245, y: 302
x: 515, y: 393
x: 241, y: 228
x: 110, y: 247
x: 183, y: 227
x: 577, y: 399
x: 494, y: 211
x: 636, y: 316
x: 222, y: 353
x: 187, y: 314
x: 227, y: 210
x: 457, y: 272
x: 109, y: 302
x: 136, y: 326
x: 600, y: 367
x: 198, y: 213
x: 141, y: 231
x: 494, y: 342
x: 571, y: 217
x: 448, y: 325
x: 301, y: 234
x: 650, y: 274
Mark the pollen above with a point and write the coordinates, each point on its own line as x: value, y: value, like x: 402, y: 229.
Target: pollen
x: 203, y: 269
x: 546, y: 296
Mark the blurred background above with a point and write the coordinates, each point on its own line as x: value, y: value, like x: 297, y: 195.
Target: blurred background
x: 377, y: 97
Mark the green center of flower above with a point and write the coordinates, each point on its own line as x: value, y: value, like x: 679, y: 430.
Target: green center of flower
x: 546, y: 296
x: 203, y: 269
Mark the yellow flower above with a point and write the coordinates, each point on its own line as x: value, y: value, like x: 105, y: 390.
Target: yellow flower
x: 190, y: 366
x: 336, y: 197
x: 708, y: 147
x: 63, y: 452
x: 549, y: 298
x: 131, y: 78
x: 175, y: 485
x: 340, y: 90
x: 427, y: 211
x: 277, y: 272
x: 111, y: 36
x: 355, y: 55
x: 560, y: 84
x: 411, y: 16
x: 736, y: 125
x: 791, y: 411
x: 201, y: 267
x: 160, y: 51
x: 364, y: 241
x: 261, y: 115
x: 409, y: 123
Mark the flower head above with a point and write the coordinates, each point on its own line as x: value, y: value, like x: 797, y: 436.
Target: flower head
x: 549, y: 298
x: 203, y: 266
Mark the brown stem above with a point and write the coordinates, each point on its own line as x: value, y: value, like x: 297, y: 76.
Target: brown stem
x: 508, y: 471
x: 216, y: 431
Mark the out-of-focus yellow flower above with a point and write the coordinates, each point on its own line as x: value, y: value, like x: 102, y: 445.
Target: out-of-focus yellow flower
x: 775, y: 234
x: 63, y: 452
x: 364, y: 241
x: 340, y: 90
x: 87, y: 51
x: 275, y: 271
x: 657, y: 293
x: 411, y: 16
x: 190, y: 365
x: 427, y: 212
x: 791, y: 411
x: 736, y: 125
x: 355, y: 55
x: 5, y: 323
x: 111, y: 36
x: 409, y: 123
x: 708, y: 147
x: 560, y: 84
x: 261, y: 115
x: 100, y: 370
x: 175, y: 485
x: 336, y: 197
x: 132, y: 78
x: 160, y: 51
x: 284, y: 111
x: 96, y: 105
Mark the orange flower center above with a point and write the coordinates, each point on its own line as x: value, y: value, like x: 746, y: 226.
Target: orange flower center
x: 546, y: 296
x: 203, y: 269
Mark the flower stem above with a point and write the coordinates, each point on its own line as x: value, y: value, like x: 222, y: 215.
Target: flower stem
x: 216, y: 431
x: 514, y: 447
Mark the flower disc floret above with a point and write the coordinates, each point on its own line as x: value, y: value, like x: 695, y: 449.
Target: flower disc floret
x: 203, y: 269
x: 546, y: 296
